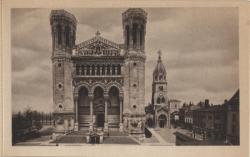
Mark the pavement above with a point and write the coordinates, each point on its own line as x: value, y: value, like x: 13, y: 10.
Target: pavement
x: 161, y: 141
x: 160, y: 137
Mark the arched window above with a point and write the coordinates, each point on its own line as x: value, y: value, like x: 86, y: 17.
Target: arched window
x: 93, y: 70
x: 119, y: 69
x: 163, y: 100
x: 134, y: 35
x: 108, y: 70
x: 88, y: 70
x: 158, y: 100
x: 67, y: 35
x: 77, y: 69
x: 103, y: 69
x: 141, y: 35
x: 98, y: 69
x: 83, y: 69
x: 113, y: 69
x: 160, y: 77
x: 59, y: 29
x: 127, y: 35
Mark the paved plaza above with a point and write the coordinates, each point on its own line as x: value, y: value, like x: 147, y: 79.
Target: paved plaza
x: 160, y: 137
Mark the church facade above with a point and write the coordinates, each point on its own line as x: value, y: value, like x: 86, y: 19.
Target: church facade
x: 99, y: 83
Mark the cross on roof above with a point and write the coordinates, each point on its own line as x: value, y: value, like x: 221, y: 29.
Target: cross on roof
x: 159, y: 53
x: 97, y: 33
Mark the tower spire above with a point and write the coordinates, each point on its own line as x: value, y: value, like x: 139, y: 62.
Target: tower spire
x: 159, y: 56
x: 97, y: 33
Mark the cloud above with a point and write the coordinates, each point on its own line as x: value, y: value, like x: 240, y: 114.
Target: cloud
x: 199, y: 50
x: 102, y: 19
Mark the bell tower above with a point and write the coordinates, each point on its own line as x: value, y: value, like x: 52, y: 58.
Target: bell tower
x: 63, y: 30
x: 160, y: 92
x: 159, y: 86
x: 134, y: 30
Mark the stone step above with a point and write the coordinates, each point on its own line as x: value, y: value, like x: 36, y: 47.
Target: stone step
x: 70, y: 139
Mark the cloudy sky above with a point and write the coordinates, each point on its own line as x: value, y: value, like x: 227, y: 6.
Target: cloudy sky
x: 199, y: 50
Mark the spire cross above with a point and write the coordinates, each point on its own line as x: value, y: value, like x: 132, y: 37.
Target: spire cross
x: 159, y: 53
x: 97, y: 33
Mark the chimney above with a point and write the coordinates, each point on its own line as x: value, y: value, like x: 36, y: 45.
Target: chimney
x: 206, y: 102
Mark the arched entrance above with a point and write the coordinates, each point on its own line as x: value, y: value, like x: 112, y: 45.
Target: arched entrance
x: 114, y: 107
x: 99, y: 109
x: 83, y: 107
x: 162, y: 120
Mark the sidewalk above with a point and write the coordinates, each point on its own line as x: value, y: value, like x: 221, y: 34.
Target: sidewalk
x: 161, y: 141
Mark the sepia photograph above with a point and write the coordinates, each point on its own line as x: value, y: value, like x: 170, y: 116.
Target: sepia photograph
x: 164, y: 76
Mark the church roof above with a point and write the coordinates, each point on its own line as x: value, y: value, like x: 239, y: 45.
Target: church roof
x: 135, y: 12
x: 235, y: 99
x: 159, y: 68
x: 98, y: 37
x: 62, y: 14
x: 98, y: 46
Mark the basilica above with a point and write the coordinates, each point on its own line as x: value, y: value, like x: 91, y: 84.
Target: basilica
x: 99, y: 83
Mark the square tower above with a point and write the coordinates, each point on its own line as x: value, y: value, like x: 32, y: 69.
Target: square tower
x: 134, y: 29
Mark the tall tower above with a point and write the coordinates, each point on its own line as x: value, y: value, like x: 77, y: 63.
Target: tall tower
x: 63, y: 29
x: 134, y: 30
x: 160, y: 92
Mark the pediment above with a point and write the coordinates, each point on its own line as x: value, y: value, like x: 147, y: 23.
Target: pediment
x: 98, y: 46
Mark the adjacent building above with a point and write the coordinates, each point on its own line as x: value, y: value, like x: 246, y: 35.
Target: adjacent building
x: 188, y: 119
x: 210, y: 122
x: 233, y: 121
x: 174, y: 105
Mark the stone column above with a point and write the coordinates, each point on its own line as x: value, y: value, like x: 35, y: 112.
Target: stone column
x: 72, y: 124
x: 101, y: 70
x: 115, y: 70
x: 95, y: 70
x: 91, y: 112
x: 74, y: 70
x: 129, y: 124
x: 76, y: 128
x: 80, y: 70
x: 121, y: 112
x: 106, y: 69
x: 90, y: 70
x: 156, y: 124
x: 66, y: 125
x: 106, y: 113
x: 169, y: 124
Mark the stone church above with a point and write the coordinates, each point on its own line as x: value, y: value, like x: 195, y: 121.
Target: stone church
x: 99, y: 83
x: 158, y: 112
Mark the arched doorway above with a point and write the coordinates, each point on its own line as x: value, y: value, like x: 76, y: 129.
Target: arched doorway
x: 98, y: 103
x: 162, y: 120
x: 83, y: 107
x: 114, y: 107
